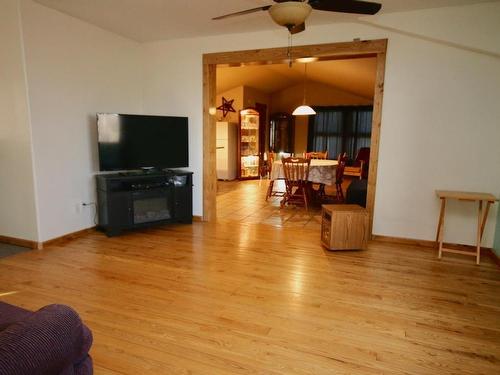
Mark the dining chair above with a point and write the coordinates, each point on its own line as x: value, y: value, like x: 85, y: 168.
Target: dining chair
x: 282, y: 155
x: 296, y: 172
x: 339, y: 177
x: 360, y: 166
x: 270, y: 189
x: 316, y: 155
x: 318, y: 188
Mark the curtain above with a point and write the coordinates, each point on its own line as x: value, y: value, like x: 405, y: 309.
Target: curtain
x: 340, y: 129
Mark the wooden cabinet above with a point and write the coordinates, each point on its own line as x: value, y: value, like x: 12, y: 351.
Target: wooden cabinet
x: 344, y: 227
x: 281, y: 133
x: 248, y: 144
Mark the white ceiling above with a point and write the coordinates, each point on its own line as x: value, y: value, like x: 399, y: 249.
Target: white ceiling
x: 356, y: 76
x: 149, y: 20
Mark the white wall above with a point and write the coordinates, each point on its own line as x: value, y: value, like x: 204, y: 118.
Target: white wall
x: 74, y: 70
x: 18, y: 216
x: 440, y: 116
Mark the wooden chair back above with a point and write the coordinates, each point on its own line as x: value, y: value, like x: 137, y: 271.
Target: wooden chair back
x: 339, y: 172
x: 316, y: 155
x: 360, y: 166
x: 339, y: 177
x: 363, y: 155
x: 296, y: 170
x: 271, y: 157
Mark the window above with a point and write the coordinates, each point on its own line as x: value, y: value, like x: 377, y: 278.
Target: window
x: 340, y: 129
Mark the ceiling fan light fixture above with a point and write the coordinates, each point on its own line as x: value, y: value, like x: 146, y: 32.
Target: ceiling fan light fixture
x: 290, y: 13
x: 303, y: 110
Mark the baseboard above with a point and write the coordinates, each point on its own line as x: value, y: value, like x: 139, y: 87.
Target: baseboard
x: 404, y: 241
x: 20, y: 242
x: 495, y: 257
x: 433, y: 245
x: 67, y: 237
x: 197, y: 218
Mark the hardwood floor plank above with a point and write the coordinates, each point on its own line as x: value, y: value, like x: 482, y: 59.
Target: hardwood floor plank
x: 246, y: 298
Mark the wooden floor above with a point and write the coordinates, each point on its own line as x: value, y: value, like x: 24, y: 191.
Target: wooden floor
x: 245, y: 202
x: 257, y: 299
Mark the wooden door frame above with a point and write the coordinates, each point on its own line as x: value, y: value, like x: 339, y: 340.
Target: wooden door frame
x: 345, y: 50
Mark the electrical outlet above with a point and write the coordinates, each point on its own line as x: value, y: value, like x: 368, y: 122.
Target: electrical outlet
x: 78, y: 207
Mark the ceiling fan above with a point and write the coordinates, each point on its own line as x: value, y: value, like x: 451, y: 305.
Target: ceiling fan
x: 292, y: 14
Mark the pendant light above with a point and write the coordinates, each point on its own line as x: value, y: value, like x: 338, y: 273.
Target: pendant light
x: 304, y: 109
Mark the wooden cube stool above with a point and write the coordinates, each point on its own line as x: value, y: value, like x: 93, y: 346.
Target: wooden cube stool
x: 344, y: 227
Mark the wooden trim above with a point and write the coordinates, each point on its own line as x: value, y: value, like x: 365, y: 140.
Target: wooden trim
x: 197, y: 218
x: 451, y: 247
x: 494, y: 257
x: 405, y: 241
x: 67, y: 237
x: 345, y: 50
x: 20, y: 242
x: 375, y: 136
x: 278, y: 55
x: 209, y: 144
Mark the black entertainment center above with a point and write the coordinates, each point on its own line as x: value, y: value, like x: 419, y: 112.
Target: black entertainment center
x: 158, y: 194
x: 138, y: 200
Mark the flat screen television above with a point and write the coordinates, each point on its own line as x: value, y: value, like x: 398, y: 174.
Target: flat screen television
x: 128, y: 142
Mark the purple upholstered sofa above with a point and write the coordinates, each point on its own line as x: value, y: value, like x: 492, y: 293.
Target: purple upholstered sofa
x: 50, y: 341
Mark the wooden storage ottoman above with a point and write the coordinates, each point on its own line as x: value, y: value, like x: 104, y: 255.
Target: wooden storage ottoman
x: 344, y: 227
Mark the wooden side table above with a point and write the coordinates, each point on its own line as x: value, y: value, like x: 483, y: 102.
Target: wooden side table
x: 344, y: 227
x: 481, y: 219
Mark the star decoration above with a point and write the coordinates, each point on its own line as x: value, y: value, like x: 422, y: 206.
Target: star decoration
x: 226, y: 107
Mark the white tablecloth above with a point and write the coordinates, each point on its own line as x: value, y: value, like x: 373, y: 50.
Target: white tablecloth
x: 320, y: 171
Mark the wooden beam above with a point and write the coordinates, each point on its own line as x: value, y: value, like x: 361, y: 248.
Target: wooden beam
x: 209, y: 143
x: 274, y: 55
x: 375, y: 135
x: 343, y: 50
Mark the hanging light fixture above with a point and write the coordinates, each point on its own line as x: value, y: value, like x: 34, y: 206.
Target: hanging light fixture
x: 304, y: 109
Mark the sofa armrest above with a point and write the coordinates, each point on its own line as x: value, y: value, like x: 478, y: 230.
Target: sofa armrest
x: 51, y: 341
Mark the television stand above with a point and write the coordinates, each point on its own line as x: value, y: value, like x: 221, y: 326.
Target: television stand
x: 132, y: 201
x: 149, y: 170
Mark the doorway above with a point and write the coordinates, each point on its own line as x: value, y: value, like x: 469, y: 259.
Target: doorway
x: 373, y: 48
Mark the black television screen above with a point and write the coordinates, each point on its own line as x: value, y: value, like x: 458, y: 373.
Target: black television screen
x: 139, y: 141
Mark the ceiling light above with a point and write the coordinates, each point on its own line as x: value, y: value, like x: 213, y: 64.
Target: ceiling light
x: 304, y: 109
x: 290, y: 13
x: 306, y: 59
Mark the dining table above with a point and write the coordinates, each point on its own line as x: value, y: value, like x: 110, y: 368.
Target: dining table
x: 321, y: 171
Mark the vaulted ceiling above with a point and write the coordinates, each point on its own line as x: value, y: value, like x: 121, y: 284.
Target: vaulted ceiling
x: 356, y: 76
x: 149, y: 20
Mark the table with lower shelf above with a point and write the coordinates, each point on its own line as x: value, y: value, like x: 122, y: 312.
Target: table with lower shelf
x: 482, y: 198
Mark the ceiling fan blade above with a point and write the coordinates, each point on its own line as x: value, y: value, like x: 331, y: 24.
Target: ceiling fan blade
x: 248, y: 11
x: 346, y: 6
x: 297, y: 29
